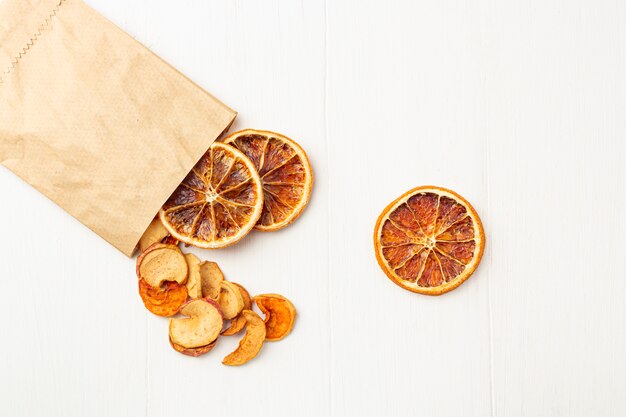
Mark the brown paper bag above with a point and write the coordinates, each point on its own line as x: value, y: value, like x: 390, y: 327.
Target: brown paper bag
x: 94, y: 120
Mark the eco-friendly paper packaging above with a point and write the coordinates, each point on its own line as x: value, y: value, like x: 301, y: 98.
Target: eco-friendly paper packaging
x: 94, y: 120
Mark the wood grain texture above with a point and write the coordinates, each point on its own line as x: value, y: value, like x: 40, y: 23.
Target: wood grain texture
x: 517, y: 106
x: 404, y: 92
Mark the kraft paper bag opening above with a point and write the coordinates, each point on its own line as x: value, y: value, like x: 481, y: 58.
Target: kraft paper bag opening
x: 94, y: 120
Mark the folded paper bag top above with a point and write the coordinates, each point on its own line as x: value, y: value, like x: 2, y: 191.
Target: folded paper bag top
x: 94, y: 120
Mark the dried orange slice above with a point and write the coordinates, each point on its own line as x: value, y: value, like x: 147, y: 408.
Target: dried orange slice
x: 429, y: 240
x: 285, y: 171
x: 218, y: 203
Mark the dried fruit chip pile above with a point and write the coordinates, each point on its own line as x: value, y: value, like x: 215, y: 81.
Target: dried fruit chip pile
x: 171, y: 282
x: 255, y: 179
x: 429, y: 240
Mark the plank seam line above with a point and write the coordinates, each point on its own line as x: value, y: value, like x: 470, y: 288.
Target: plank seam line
x: 328, y: 214
x: 489, y: 295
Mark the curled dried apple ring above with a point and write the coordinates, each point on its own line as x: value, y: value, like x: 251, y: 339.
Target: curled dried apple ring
x: 202, y: 326
x: 194, y: 281
x: 280, y: 315
x: 211, y: 278
x: 230, y: 300
x: 155, y: 233
x: 160, y: 263
x: 238, y: 323
x: 195, y: 352
x: 252, y: 341
x: 164, y: 302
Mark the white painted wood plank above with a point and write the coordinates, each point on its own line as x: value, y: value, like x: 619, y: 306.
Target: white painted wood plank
x: 404, y: 86
x: 73, y: 338
x: 556, y: 99
x: 518, y: 106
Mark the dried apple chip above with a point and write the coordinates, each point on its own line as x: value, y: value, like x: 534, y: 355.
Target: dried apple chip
x: 194, y: 282
x: 160, y: 263
x: 164, y: 302
x: 280, y: 315
x: 238, y: 323
x: 230, y: 300
x: 195, y: 352
x: 211, y: 279
x: 201, y: 328
x: 252, y: 341
x: 155, y: 233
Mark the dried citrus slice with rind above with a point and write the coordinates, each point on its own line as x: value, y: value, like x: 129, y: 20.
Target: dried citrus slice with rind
x: 429, y: 240
x: 285, y: 171
x: 218, y: 203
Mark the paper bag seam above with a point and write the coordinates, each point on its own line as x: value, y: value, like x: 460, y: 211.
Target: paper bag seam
x: 40, y: 29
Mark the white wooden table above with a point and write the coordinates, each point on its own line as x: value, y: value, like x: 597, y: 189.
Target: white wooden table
x: 519, y: 106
